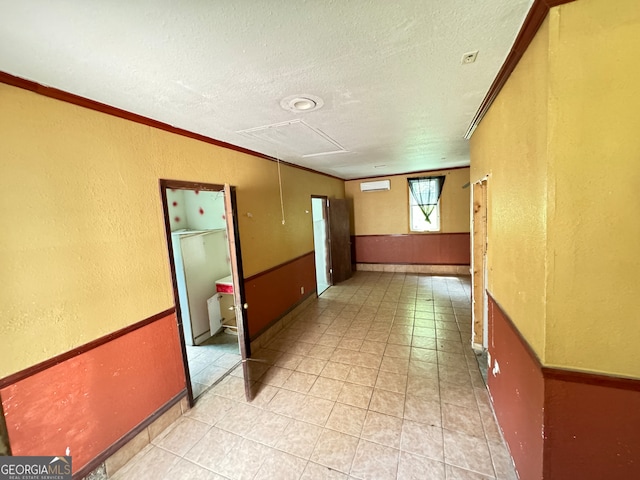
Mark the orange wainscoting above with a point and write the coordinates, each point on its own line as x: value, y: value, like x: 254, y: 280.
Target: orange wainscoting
x: 87, y: 402
x: 415, y: 249
x: 274, y: 292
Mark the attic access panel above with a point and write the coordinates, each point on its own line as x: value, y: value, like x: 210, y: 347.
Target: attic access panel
x: 296, y: 136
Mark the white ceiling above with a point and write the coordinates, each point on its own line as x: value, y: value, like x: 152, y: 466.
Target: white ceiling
x: 396, y: 96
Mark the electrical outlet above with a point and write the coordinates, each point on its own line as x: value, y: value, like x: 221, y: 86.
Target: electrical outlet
x: 301, y: 290
x: 469, y: 57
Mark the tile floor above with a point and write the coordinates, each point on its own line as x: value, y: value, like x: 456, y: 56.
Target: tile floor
x: 212, y: 360
x: 374, y: 380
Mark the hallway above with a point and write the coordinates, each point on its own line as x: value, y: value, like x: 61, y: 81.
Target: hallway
x: 374, y: 380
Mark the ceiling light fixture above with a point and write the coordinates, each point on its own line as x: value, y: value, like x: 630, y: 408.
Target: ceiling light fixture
x: 301, y: 103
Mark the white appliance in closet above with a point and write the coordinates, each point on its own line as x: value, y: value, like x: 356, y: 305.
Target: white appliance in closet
x: 200, y: 259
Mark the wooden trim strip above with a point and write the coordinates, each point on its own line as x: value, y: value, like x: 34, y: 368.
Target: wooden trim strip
x: 27, y: 372
x: 588, y: 378
x: 413, y: 172
x: 126, y: 438
x: 264, y: 272
x: 409, y: 234
x: 61, y: 95
x: 532, y: 22
x: 569, y: 375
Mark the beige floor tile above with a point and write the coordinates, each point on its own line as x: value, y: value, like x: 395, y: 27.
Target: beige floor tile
x: 262, y: 394
x: 455, y: 473
x: 268, y: 427
x: 336, y: 371
x: 350, y: 342
x: 398, y: 332
x: 416, y: 467
x: 244, y: 461
x: 210, y: 408
x: 155, y: 462
x: 275, y: 376
x: 186, y: 470
x: 356, y: 395
x: 461, y: 419
x: 281, y: 466
x: 299, y: 382
x: 375, y: 462
x: 386, y: 402
x: 326, y: 388
x: 400, y: 338
x: 287, y: 403
x: 422, y: 410
x: 299, y: 439
x: 315, y: 410
x: 327, y: 340
x: 502, y: 463
x: 458, y: 395
x: 321, y: 352
x: 288, y: 360
x: 421, y: 439
x: 423, y: 369
x: 395, y: 365
x: 376, y: 347
x: 186, y: 432
x: 423, y: 354
x: 239, y: 419
x: 213, y: 448
x: 425, y: 387
x: 382, y: 429
x: 311, y: 365
x: 393, y: 382
x: 314, y: 471
x: 346, y: 419
x: 470, y: 453
x: 230, y: 387
x: 335, y: 450
x: 363, y: 376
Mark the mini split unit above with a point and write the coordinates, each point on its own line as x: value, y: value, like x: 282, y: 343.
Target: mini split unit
x: 377, y: 186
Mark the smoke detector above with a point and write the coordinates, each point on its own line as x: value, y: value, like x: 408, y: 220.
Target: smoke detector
x: 301, y: 103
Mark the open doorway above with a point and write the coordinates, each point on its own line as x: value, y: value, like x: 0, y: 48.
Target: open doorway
x: 205, y: 269
x: 321, y: 243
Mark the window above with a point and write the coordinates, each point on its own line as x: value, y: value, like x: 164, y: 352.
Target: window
x: 424, y: 203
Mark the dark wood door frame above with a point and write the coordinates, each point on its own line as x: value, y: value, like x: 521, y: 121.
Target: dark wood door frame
x: 185, y: 185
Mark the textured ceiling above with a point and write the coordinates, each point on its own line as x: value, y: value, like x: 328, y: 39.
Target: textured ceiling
x: 396, y: 96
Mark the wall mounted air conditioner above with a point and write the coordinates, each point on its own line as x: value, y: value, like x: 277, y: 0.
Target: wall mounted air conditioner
x: 376, y: 186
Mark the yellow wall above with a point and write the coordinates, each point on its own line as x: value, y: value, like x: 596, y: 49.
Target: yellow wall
x: 594, y: 234
x: 562, y: 149
x: 509, y: 145
x: 387, y: 212
x: 84, y: 250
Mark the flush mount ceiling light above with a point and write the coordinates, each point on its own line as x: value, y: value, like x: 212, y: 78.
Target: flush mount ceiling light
x: 301, y: 103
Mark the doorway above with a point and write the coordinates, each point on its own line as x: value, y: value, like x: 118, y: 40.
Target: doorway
x: 206, y: 269
x: 321, y: 243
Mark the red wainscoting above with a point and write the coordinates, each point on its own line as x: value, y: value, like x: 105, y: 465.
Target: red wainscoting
x: 415, y: 249
x: 274, y: 292
x: 517, y: 393
x: 561, y: 424
x: 592, y: 426
x: 89, y: 401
